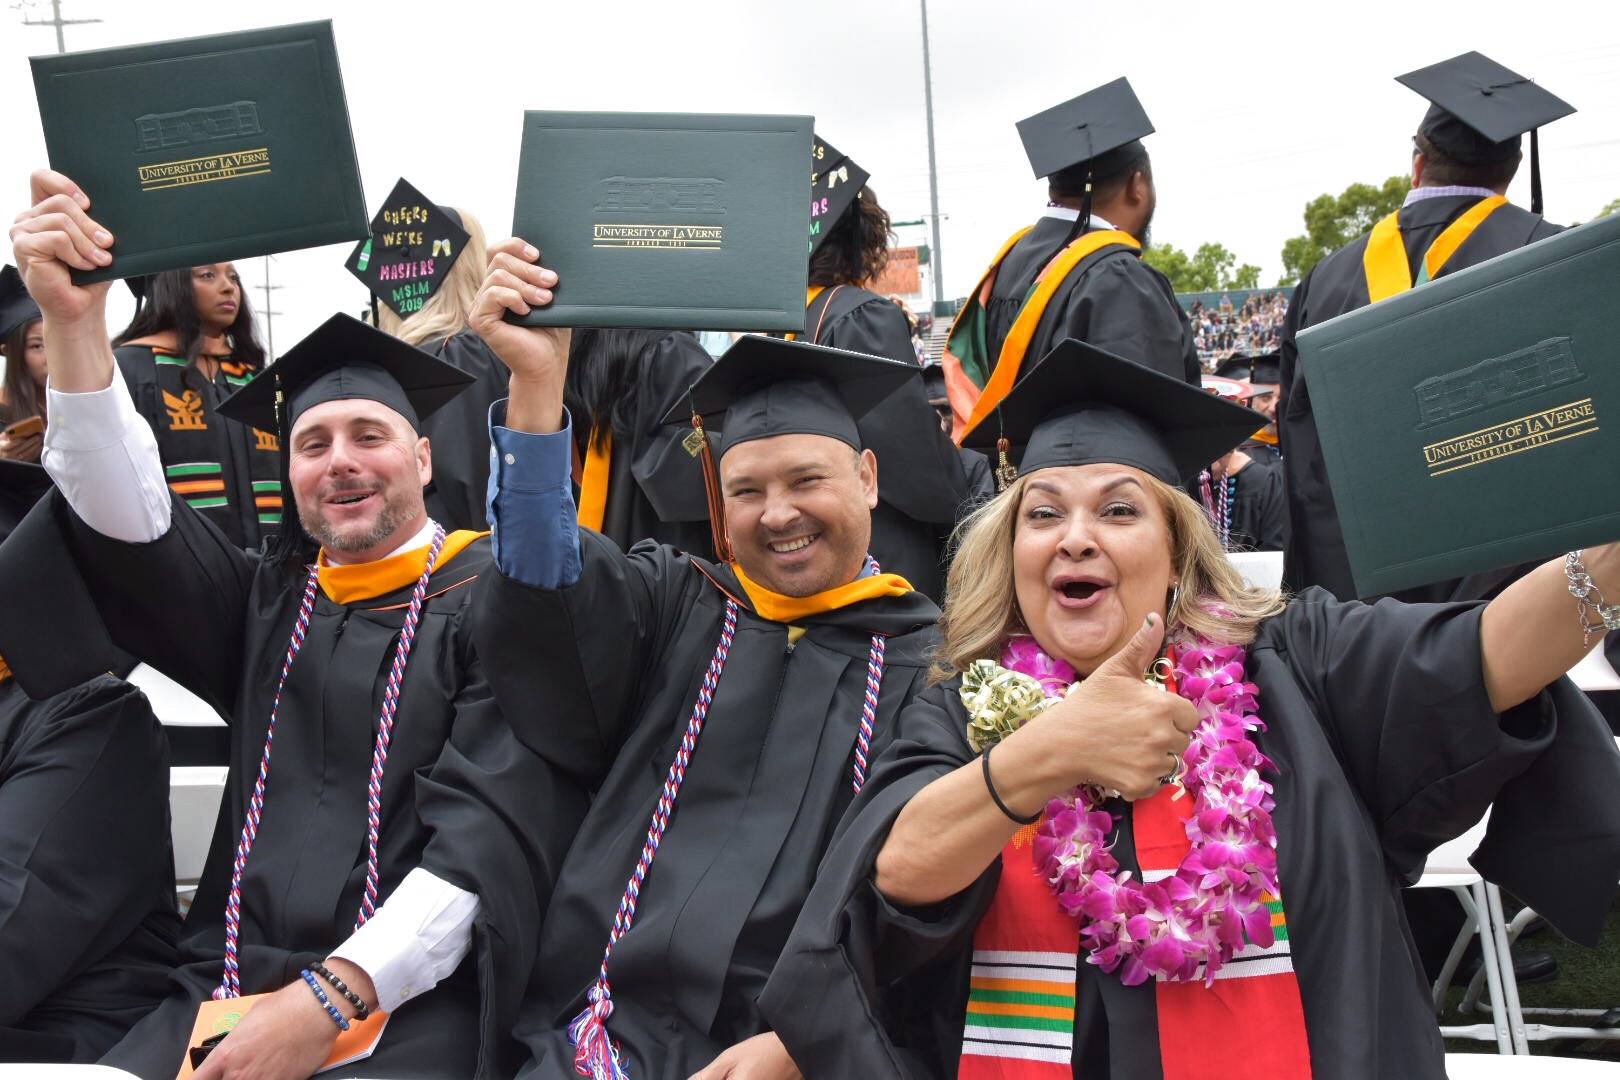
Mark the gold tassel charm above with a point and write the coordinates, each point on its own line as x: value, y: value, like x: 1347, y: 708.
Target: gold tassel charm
x: 1006, y: 471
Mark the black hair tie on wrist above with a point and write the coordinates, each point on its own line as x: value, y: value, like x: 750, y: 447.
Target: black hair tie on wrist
x: 990, y: 785
x: 361, y: 1011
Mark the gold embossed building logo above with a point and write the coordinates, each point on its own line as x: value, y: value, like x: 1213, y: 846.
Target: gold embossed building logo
x: 192, y: 128
x: 682, y: 210
x: 1497, y: 382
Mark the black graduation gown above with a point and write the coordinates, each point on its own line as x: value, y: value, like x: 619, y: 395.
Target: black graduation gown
x: 1385, y: 746
x: 224, y: 469
x: 87, y: 912
x: 460, y: 797
x: 1259, y: 508
x: 925, y: 484
x: 1112, y: 300
x: 1334, y: 286
x: 655, y: 487
x: 458, y: 431
x: 617, y: 660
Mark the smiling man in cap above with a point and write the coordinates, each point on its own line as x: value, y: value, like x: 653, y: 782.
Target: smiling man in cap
x: 724, y: 711
x: 359, y: 862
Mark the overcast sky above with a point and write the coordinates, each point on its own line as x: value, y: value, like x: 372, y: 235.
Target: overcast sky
x: 1258, y: 107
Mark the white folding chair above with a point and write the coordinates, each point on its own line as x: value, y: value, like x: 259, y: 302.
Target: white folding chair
x: 194, y: 795
x: 1448, y: 868
x: 1261, y: 569
x: 1493, y: 1067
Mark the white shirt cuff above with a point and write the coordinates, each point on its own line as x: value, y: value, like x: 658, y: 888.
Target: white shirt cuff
x: 417, y: 938
x: 104, y: 458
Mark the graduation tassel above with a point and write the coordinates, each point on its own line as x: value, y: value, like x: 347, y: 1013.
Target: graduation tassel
x: 697, y: 444
x: 1005, y: 472
x: 1535, y: 173
x: 1082, y: 221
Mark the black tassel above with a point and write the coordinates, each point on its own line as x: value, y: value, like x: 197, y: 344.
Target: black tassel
x: 1082, y: 220
x: 1535, y: 173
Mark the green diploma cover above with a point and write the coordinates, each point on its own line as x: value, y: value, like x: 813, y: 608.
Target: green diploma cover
x: 206, y: 149
x: 1474, y: 422
x: 685, y: 222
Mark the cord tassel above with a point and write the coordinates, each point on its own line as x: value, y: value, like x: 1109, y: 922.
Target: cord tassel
x: 711, y: 490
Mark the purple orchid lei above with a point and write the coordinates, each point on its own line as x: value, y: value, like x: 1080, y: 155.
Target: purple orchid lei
x: 1187, y: 925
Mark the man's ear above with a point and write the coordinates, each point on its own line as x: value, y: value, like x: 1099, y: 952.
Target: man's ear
x: 1417, y: 170
x: 869, y: 478
x: 1140, y: 188
x: 424, y: 460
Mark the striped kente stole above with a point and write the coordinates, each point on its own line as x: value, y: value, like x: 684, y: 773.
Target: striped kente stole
x: 1021, y: 998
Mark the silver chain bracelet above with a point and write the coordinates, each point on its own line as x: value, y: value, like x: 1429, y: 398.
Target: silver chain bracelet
x: 1590, y: 599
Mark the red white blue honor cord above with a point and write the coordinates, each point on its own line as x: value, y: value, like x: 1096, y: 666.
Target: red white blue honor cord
x: 231, y: 984
x: 595, y: 1055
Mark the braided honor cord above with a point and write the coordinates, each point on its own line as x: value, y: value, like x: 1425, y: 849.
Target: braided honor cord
x: 874, y: 686
x: 594, y: 1054
x: 230, y: 985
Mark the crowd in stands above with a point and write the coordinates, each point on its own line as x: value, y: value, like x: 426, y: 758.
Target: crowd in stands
x: 1222, y: 330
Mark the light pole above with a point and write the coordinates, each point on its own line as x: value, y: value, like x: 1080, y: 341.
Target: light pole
x: 57, y: 21
x: 933, y: 177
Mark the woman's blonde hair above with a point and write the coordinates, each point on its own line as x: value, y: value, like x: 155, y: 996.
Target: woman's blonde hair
x: 445, y: 313
x: 981, y: 604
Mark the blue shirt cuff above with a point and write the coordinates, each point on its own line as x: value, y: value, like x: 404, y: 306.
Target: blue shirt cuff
x: 533, y: 522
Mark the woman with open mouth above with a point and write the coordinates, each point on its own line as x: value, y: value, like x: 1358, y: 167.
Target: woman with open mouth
x: 1154, y: 822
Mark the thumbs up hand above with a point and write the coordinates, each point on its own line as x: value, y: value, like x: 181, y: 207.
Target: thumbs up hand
x: 1116, y: 730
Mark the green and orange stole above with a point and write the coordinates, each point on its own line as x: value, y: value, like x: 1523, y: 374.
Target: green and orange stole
x: 975, y: 381
x: 1021, y: 998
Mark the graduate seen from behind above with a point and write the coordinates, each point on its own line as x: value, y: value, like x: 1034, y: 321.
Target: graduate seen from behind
x: 359, y: 864
x: 1465, y: 154
x: 1154, y: 822
x: 725, y: 712
x: 1078, y: 271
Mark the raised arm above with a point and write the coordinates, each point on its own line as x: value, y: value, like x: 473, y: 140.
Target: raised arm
x: 1531, y: 634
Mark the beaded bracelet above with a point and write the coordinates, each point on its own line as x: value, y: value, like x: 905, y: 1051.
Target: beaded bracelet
x: 361, y: 1009
x: 326, y: 1002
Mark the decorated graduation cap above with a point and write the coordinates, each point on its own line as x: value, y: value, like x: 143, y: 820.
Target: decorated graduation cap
x: 1230, y: 389
x: 16, y: 306
x: 1263, y: 369
x: 1479, y: 109
x: 340, y: 359
x: 1093, y: 130
x: 1083, y: 406
x: 835, y: 184
x: 412, y: 246
x: 763, y: 387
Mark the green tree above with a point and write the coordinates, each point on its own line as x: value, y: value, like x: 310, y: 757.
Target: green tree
x: 1209, y: 268
x: 1612, y: 208
x: 1332, y: 221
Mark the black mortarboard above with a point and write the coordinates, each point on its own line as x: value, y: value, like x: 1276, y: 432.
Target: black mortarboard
x: 1479, y: 109
x: 1263, y: 369
x: 16, y: 306
x: 138, y: 287
x: 1083, y: 406
x: 344, y: 358
x: 413, y: 244
x: 835, y: 183
x: 767, y: 386
x: 22, y: 484
x: 1084, y: 128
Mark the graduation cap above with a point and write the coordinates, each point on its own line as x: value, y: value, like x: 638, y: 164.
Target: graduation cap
x: 762, y: 387
x: 835, y: 184
x: 22, y: 484
x: 412, y: 246
x: 1230, y: 389
x: 1478, y: 109
x: 1263, y: 369
x: 1083, y: 406
x: 1085, y: 131
x: 16, y: 306
x: 767, y: 386
x: 340, y: 359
